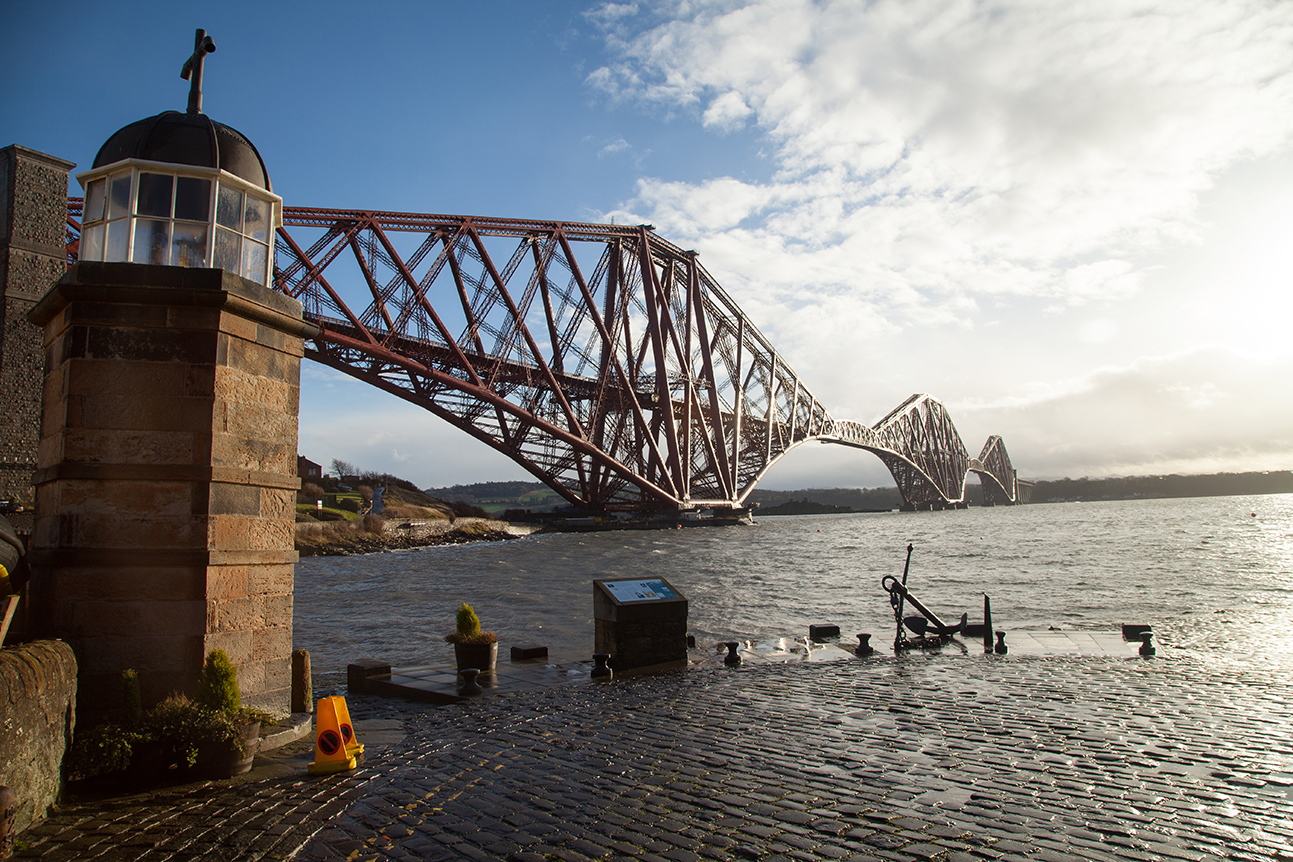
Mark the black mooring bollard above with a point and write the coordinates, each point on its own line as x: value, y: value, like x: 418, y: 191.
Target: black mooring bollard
x: 731, y: 659
x: 470, y: 688
x: 987, y: 623
x: 1147, y: 643
x: 1001, y: 648
x: 600, y: 669
x: 864, y: 645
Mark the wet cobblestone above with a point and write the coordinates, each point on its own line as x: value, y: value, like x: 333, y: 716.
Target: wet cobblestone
x: 954, y: 758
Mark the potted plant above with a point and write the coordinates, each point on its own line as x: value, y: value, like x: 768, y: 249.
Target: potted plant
x: 198, y: 742
x: 218, y: 756
x: 473, y: 647
x: 180, y: 739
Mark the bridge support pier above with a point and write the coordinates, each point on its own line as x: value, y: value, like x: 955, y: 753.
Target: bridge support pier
x: 166, y: 477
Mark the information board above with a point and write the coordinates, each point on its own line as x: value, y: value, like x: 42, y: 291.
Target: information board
x: 639, y: 591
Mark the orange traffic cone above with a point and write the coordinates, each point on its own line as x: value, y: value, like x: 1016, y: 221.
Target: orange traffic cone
x: 330, y: 753
x: 353, y: 746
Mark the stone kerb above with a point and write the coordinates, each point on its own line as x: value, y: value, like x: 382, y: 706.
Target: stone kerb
x: 166, y: 486
x: 37, y: 709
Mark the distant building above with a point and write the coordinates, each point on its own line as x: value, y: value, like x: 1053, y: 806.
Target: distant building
x: 307, y: 469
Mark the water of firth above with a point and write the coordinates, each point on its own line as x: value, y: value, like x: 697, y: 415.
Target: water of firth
x: 1210, y: 573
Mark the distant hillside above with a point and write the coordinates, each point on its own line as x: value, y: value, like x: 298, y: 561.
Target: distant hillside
x: 495, y: 497
x: 804, y: 507
x: 855, y: 499
x: 1133, y: 487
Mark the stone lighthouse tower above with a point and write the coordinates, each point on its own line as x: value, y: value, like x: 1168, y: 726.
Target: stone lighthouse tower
x: 166, y: 478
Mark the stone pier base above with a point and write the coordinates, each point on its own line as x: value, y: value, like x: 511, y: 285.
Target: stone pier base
x: 167, y: 477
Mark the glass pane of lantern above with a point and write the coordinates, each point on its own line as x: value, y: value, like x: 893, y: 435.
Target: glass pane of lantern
x: 154, y: 195
x: 229, y: 209
x: 257, y: 224
x: 253, y: 261
x: 189, y: 243
x: 119, y: 200
x: 94, y: 203
x: 227, y: 248
x: 118, y: 240
x: 152, y: 241
x: 92, y: 241
x: 193, y: 198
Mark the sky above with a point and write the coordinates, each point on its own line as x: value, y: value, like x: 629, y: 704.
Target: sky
x: 1071, y: 222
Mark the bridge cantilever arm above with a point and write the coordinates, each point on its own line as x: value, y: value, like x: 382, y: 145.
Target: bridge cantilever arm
x: 486, y: 395
x: 315, y: 274
x: 591, y: 305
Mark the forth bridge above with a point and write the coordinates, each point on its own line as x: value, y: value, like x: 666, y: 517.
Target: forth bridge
x: 603, y: 359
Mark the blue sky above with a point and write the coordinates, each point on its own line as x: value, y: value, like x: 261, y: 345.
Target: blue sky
x: 1068, y: 221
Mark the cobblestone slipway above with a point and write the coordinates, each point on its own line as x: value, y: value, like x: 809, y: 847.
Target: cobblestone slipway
x: 940, y: 757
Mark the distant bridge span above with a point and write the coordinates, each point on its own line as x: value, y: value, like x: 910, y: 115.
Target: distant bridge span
x: 605, y: 360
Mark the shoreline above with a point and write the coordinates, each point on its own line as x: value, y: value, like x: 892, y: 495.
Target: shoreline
x: 410, y: 535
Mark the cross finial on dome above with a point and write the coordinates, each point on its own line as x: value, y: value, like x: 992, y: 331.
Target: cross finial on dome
x: 202, y: 45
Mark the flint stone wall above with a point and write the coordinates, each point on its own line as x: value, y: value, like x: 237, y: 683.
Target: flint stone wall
x: 37, y: 714
x: 33, y: 255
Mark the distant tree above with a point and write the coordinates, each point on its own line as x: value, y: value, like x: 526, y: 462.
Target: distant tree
x: 467, y: 510
x: 344, y: 468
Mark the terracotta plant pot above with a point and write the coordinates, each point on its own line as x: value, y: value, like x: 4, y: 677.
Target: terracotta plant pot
x: 483, y: 657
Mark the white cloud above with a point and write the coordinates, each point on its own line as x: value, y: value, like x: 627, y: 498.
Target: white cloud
x: 727, y: 112
x: 615, y: 146
x: 1207, y: 410
x: 980, y: 148
x: 952, y: 183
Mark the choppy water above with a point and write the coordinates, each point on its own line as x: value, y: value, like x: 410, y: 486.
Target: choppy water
x: 1210, y: 574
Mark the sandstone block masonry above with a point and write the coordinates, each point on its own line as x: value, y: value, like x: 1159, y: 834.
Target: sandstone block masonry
x: 33, y: 254
x: 167, y: 475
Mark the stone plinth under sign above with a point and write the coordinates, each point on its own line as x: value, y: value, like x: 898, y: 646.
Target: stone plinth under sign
x: 167, y: 476
x: 641, y: 624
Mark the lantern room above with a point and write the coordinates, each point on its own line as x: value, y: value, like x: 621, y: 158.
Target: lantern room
x: 180, y: 189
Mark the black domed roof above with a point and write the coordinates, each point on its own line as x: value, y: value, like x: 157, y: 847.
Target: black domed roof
x: 187, y: 139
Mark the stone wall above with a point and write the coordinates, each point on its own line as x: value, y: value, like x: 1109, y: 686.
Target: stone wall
x: 33, y: 255
x: 37, y: 713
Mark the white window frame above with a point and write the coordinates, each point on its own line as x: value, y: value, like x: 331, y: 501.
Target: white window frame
x: 219, y: 177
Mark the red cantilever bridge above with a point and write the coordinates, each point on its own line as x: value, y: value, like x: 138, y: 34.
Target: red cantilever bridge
x: 602, y: 358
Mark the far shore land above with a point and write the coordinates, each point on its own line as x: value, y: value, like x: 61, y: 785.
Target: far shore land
x: 404, y: 535
x: 417, y: 519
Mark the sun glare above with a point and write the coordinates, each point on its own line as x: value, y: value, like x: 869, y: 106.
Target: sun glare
x: 1250, y: 279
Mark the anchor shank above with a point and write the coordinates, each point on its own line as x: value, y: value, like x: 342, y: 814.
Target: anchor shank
x: 905, y: 594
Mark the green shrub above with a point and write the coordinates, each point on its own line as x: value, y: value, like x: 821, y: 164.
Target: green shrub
x: 182, y: 726
x: 131, y: 704
x: 468, y: 622
x: 218, y: 684
x: 103, y: 749
x: 468, y: 630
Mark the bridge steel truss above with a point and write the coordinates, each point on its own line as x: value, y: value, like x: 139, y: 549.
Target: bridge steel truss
x: 605, y: 360
x: 919, y: 444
